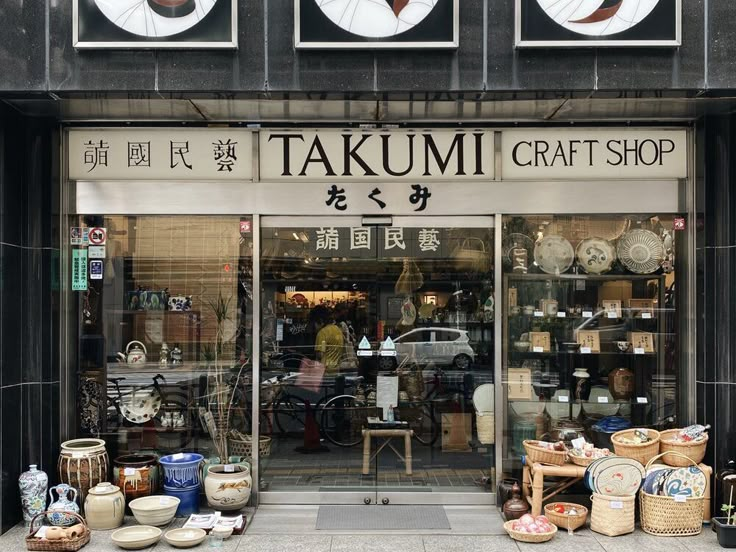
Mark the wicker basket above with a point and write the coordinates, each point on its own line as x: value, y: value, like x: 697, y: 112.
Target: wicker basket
x: 244, y: 447
x: 542, y: 455
x: 61, y: 545
x: 642, y: 452
x: 528, y: 537
x: 486, y: 428
x: 694, y: 451
x: 566, y: 521
x: 666, y: 517
x: 578, y: 461
x: 613, y: 515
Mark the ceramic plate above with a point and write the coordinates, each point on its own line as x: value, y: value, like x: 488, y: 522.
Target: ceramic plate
x: 641, y: 251
x: 654, y: 478
x: 595, y: 255
x: 141, y: 406
x: 512, y: 241
x: 618, y: 476
x: 483, y: 398
x: 588, y: 477
x: 554, y: 254
x: 685, y: 481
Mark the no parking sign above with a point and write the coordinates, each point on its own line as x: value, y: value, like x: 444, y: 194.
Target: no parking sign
x: 97, y: 236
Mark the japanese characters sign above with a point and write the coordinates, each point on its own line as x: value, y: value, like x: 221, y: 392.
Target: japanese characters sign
x: 79, y: 270
x: 380, y: 155
x: 160, y: 154
x: 371, y: 242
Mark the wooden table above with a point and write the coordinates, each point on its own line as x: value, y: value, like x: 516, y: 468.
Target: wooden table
x: 569, y: 474
x: 387, y: 435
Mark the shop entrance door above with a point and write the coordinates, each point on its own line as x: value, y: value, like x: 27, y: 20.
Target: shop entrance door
x: 366, y: 320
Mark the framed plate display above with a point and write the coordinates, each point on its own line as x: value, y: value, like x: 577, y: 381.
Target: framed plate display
x: 366, y: 24
x: 596, y: 23
x: 155, y: 24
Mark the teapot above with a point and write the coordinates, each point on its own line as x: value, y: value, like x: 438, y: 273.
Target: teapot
x: 134, y: 355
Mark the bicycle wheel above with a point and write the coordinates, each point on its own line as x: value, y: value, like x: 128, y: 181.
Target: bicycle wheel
x: 285, y: 414
x: 343, y: 418
x: 422, y: 422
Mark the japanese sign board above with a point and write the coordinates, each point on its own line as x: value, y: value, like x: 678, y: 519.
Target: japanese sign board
x: 160, y: 154
x: 96, y: 269
x: 79, y: 270
x: 97, y: 236
x: 377, y: 155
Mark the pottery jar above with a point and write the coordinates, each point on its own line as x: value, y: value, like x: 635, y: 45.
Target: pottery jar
x: 104, y: 507
x: 621, y: 383
x: 515, y: 507
x: 83, y: 463
x: 137, y: 475
x: 33, y: 486
x: 228, y: 486
x: 182, y: 480
x: 66, y: 501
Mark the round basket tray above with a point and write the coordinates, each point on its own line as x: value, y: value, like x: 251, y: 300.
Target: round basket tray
x: 578, y: 461
x: 542, y: 455
x: 528, y: 537
x: 694, y: 451
x: 566, y: 521
x: 642, y: 452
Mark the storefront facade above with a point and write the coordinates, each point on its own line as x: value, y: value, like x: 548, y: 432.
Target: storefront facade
x: 463, y: 271
x: 270, y: 176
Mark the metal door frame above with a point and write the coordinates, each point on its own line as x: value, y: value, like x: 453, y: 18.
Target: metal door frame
x: 372, y: 494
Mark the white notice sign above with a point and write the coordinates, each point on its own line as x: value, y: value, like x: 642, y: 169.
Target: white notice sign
x: 387, y: 391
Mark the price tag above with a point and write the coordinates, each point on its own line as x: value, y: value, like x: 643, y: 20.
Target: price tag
x: 563, y: 398
x: 538, y: 314
x: 602, y: 399
x: 178, y: 456
x: 612, y: 314
x: 587, y: 314
x: 646, y: 315
x: 538, y: 350
x: 680, y: 498
x: 229, y: 468
x: 365, y: 353
x: 41, y: 533
x: 642, y: 400
x: 617, y: 505
x: 561, y: 314
x: 585, y: 350
x: 129, y: 471
x: 644, y: 431
x: 163, y: 501
x: 638, y: 351
x: 578, y: 443
x: 79, y: 454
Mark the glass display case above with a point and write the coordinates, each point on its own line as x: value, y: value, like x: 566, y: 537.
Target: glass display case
x: 589, y: 326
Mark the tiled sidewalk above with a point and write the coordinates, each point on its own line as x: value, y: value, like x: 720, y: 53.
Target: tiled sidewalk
x: 474, y: 529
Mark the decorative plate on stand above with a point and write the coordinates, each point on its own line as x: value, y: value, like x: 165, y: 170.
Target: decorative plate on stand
x: 641, y: 251
x: 554, y: 254
x: 595, y: 255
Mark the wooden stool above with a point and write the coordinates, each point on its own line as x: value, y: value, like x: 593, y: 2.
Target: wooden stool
x: 387, y: 435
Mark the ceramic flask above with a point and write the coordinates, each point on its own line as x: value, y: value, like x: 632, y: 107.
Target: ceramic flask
x: 58, y: 510
x: 104, y: 507
x: 33, y: 486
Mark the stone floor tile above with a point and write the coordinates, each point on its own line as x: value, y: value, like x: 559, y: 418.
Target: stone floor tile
x: 468, y: 543
x: 640, y: 542
x: 284, y: 519
x: 377, y: 543
x: 704, y: 542
x: 563, y: 542
x: 284, y: 543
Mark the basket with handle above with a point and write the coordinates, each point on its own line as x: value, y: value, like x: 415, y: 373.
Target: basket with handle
x: 541, y: 455
x: 666, y: 516
x: 60, y: 545
x: 693, y: 450
x: 613, y: 515
x: 641, y: 452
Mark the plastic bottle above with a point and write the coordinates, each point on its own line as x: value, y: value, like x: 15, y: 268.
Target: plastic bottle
x: 390, y: 415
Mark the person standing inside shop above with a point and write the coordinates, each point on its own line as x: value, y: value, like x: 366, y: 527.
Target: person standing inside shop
x: 329, y: 344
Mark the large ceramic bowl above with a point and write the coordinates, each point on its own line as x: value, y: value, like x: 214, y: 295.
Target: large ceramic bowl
x: 154, y: 510
x: 185, y: 538
x: 136, y: 537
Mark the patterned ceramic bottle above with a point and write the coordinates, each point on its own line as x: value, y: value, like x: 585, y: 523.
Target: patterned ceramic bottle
x: 33, y: 487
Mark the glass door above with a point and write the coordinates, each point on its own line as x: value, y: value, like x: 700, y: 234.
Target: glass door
x: 377, y: 358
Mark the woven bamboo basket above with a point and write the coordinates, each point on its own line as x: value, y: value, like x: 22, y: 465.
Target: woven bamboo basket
x: 61, y: 545
x: 613, y: 515
x: 244, y: 447
x: 581, y: 461
x: 666, y: 517
x: 542, y: 455
x: 529, y: 537
x: 693, y: 451
x: 486, y: 426
x: 642, y: 452
x: 563, y: 521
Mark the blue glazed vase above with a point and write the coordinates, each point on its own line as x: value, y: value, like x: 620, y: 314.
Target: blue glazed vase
x: 188, y: 500
x: 58, y: 513
x: 182, y: 479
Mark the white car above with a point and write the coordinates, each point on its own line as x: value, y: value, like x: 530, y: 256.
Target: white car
x: 444, y: 346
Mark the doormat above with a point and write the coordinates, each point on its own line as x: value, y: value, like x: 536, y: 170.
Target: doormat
x: 381, y: 518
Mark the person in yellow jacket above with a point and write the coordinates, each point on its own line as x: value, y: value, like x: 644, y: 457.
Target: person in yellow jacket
x: 329, y: 345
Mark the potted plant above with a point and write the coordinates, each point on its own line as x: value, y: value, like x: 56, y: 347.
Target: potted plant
x: 726, y: 526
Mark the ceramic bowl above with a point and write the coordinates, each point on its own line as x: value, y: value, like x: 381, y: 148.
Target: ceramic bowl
x: 154, y: 510
x: 623, y: 346
x: 185, y: 538
x: 222, y: 532
x: 136, y: 537
x: 522, y: 346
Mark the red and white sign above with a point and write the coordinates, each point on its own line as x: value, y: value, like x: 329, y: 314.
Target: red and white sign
x: 97, y: 236
x: 679, y: 223
x: 245, y: 226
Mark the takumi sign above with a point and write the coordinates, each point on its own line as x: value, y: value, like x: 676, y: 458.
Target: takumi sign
x: 380, y: 155
x: 602, y: 153
x: 160, y: 154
